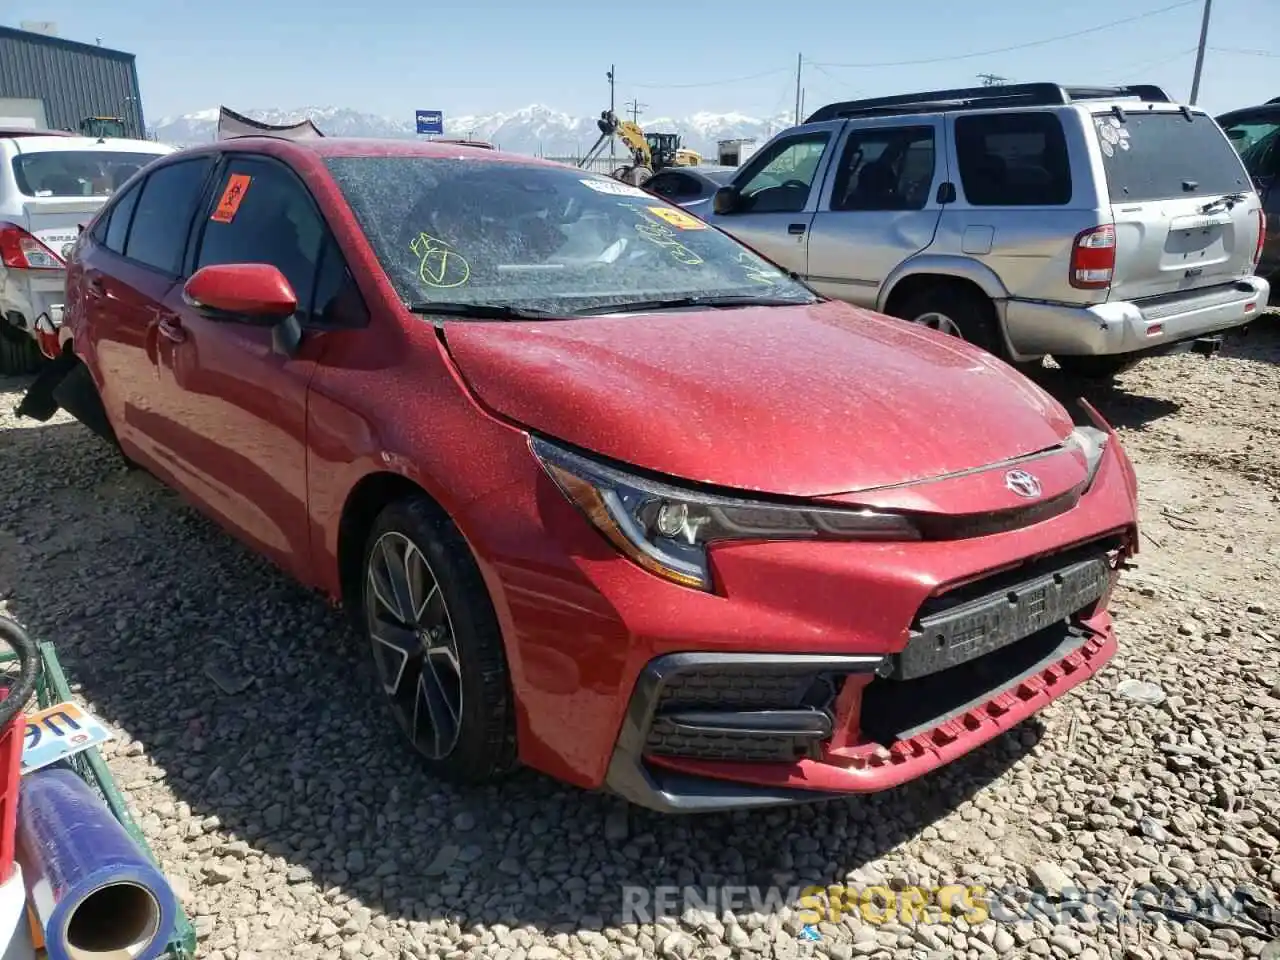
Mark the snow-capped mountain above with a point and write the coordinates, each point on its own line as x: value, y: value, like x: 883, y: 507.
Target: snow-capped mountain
x: 532, y: 130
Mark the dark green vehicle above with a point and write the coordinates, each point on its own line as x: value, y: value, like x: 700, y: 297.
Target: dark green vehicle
x: 1255, y: 133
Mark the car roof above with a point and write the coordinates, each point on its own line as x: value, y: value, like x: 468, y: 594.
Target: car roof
x: 61, y: 144
x: 326, y: 147
x: 1263, y: 111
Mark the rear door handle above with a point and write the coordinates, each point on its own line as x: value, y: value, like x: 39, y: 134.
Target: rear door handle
x: 796, y: 229
x: 171, y: 329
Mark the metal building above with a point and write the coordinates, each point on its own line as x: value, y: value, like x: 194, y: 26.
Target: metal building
x: 75, y: 80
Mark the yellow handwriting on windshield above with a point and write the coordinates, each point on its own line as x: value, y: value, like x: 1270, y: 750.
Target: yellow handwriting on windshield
x: 439, y: 265
x: 664, y: 236
x: 757, y: 271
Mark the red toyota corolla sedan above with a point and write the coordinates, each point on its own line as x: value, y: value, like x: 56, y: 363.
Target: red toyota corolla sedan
x: 607, y: 493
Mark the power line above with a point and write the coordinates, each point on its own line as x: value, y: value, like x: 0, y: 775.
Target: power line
x: 1247, y: 53
x: 635, y: 108
x: 1141, y: 68
x: 711, y: 83
x: 1020, y: 46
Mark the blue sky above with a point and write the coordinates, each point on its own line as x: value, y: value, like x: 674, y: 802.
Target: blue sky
x: 481, y: 56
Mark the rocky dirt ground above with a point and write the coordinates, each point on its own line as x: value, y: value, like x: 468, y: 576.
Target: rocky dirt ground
x: 293, y: 824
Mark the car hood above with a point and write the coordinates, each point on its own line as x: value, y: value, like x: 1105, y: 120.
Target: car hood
x: 802, y: 401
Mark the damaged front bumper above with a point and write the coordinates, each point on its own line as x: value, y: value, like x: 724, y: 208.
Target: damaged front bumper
x: 716, y: 731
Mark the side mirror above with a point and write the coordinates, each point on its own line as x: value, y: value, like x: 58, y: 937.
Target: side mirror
x: 725, y: 200
x: 253, y: 293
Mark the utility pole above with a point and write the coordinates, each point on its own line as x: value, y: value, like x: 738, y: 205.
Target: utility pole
x: 799, y: 68
x: 612, y: 154
x: 992, y: 80
x: 1204, y: 38
x: 636, y: 108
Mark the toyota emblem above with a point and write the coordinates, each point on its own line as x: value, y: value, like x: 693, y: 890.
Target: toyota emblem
x: 1022, y: 483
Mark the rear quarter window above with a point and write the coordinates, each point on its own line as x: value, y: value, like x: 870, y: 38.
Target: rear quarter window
x: 1013, y: 160
x: 1162, y: 156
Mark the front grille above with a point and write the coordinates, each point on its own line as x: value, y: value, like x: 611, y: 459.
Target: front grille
x: 999, y: 521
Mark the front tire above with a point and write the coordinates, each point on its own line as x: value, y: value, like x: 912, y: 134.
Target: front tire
x: 437, y: 650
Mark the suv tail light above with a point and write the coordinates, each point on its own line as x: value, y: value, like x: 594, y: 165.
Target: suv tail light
x: 1093, y: 258
x: 19, y: 250
x: 1262, y: 238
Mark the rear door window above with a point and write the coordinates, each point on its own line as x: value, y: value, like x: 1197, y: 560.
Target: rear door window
x: 117, y: 220
x: 1163, y: 156
x: 1013, y: 160
x: 162, y: 216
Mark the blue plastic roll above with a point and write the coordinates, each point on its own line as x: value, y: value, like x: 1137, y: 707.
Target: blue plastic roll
x: 97, y: 894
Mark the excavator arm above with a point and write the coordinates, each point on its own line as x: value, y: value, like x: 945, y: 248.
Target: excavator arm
x: 631, y: 134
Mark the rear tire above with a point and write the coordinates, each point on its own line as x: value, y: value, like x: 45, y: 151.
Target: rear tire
x: 20, y: 356
x: 1100, y: 368
x: 956, y: 310
x: 437, y: 650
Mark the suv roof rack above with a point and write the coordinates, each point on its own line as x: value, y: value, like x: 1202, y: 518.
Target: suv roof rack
x: 976, y: 98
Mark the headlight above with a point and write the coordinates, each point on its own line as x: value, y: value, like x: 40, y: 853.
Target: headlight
x: 1092, y: 442
x: 666, y: 529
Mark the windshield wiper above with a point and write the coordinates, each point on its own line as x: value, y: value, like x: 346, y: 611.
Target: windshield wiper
x: 1228, y: 201
x: 676, y: 303
x: 479, y: 311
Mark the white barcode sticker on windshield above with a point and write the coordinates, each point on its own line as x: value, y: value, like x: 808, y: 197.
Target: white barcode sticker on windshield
x: 613, y: 187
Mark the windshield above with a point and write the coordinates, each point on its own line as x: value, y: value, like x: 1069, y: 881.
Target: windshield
x: 76, y: 173
x: 544, y: 238
x: 1255, y: 140
x: 1163, y: 156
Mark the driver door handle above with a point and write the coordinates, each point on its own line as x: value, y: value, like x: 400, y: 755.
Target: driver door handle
x: 796, y: 229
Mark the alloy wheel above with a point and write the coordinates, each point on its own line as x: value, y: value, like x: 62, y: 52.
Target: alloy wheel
x: 414, y: 647
x: 940, y: 322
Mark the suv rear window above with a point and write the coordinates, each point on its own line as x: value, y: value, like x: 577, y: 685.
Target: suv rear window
x: 1013, y: 160
x: 76, y: 173
x: 1162, y: 156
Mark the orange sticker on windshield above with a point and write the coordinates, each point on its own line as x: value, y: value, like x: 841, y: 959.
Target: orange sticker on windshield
x: 678, y: 218
x: 232, y: 196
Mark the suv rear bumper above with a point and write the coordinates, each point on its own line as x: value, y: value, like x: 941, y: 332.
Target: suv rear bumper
x: 1037, y: 328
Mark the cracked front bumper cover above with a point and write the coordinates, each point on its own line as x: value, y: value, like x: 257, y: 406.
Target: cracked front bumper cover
x: 1058, y: 662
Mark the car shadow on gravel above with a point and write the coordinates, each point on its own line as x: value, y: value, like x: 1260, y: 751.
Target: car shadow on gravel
x: 1122, y: 402
x: 293, y: 789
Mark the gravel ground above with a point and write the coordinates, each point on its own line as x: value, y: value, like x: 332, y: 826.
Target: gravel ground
x: 292, y: 822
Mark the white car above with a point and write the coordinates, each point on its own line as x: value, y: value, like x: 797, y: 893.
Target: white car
x: 51, y: 185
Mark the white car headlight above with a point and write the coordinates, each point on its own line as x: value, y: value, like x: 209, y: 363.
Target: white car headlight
x: 666, y: 529
x: 1092, y: 442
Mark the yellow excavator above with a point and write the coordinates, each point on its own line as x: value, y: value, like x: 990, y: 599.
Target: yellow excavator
x: 649, y: 152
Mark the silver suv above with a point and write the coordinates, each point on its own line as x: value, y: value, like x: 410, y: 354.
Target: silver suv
x: 1096, y: 225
